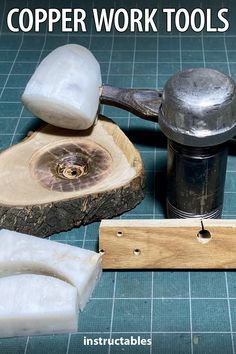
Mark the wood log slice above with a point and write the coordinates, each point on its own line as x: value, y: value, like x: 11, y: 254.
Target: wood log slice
x: 57, y: 179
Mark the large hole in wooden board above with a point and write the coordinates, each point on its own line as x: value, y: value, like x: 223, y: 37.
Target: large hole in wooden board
x: 204, y: 236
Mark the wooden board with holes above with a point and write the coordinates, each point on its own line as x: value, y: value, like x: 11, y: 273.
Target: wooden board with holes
x: 168, y: 244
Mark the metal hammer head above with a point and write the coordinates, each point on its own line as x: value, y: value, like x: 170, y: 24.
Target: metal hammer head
x: 199, y: 107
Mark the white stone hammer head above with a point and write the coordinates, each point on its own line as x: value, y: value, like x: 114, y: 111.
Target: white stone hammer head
x: 65, y: 88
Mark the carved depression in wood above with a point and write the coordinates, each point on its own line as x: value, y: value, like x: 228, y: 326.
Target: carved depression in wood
x: 57, y: 178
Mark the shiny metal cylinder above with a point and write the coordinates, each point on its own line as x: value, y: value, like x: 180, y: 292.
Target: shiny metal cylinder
x: 198, y: 116
x: 196, y: 179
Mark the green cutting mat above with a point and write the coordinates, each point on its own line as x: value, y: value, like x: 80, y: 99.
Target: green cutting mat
x: 183, y: 312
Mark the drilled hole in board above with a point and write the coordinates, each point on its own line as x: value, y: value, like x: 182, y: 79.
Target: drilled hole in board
x: 204, y: 236
x: 137, y: 252
x: 102, y: 252
x: 119, y: 234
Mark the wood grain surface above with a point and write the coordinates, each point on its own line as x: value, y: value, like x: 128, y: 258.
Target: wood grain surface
x: 168, y: 244
x: 60, y: 178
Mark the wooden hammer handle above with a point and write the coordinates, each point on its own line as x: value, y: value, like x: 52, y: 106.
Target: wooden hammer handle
x: 144, y: 103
